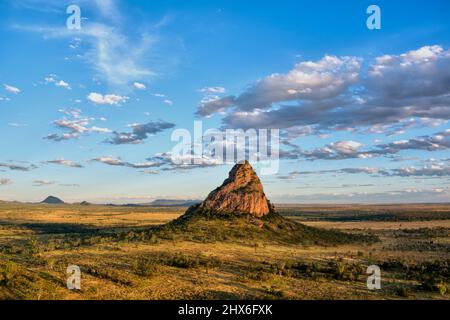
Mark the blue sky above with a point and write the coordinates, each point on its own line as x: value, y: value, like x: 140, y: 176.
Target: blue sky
x: 88, y: 114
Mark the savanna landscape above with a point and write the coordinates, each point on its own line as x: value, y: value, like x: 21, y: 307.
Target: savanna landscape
x: 203, y: 152
x: 151, y: 252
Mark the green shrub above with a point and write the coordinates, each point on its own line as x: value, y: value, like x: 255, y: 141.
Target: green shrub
x: 108, y: 274
x: 7, y: 273
x: 144, y: 267
x: 403, y: 292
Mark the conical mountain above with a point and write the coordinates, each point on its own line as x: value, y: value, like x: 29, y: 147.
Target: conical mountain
x: 239, y: 211
x: 53, y: 200
x: 241, y: 193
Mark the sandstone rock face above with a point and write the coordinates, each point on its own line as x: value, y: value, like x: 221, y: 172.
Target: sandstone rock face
x: 241, y: 193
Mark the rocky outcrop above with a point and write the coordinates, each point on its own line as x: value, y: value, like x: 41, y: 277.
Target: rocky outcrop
x: 241, y: 193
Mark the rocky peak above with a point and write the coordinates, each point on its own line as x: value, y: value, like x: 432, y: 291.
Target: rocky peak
x: 241, y: 193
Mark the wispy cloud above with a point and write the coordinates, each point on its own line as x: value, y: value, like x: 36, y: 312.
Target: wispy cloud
x: 213, y: 90
x: 12, y: 89
x: 42, y: 183
x: 63, y: 162
x: 17, y: 167
x: 431, y: 170
x: 114, y: 53
x: 395, y: 196
x: 118, y: 162
x: 140, y: 132
x: 169, y: 162
x: 4, y: 181
x: 75, y: 125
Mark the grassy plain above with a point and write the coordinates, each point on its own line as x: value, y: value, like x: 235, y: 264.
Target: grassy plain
x: 120, y: 257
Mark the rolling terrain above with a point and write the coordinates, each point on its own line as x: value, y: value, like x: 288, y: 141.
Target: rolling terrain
x: 38, y: 242
x: 233, y: 245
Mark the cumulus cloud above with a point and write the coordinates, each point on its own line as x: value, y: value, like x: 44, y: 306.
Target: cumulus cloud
x: 139, y: 86
x: 118, y: 162
x: 438, y: 141
x: 62, y: 83
x: 425, y: 171
x: 66, y: 163
x: 75, y: 125
x: 168, y: 161
x: 353, y: 150
x: 53, y: 78
x: 310, y: 81
x: 12, y: 89
x: 111, y: 99
x: 397, y: 92
x: 335, y: 150
x: 140, y: 132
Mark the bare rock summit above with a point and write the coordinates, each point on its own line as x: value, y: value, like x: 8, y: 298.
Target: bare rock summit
x: 241, y: 193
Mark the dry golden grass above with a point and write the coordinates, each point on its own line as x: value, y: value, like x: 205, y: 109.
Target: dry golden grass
x: 92, y: 215
x: 376, y: 225
x: 109, y: 268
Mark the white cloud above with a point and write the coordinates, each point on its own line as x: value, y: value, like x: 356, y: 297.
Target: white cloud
x: 63, y: 84
x: 66, y: 163
x: 309, y: 80
x: 140, y: 132
x: 139, y: 86
x: 115, y: 54
x: 50, y: 79
x: 396, y: 93
x: 213, y: 90
x: 41, y: 183
x: 111, y: 99
x: 336, y: 151
x: 118, y: 162
x: 12, y: 89
x: 75, y: 124
x: 100, y: 130
x: 346, y: 147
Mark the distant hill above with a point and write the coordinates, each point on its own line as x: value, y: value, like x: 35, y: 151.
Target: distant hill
x: 52, y: 200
